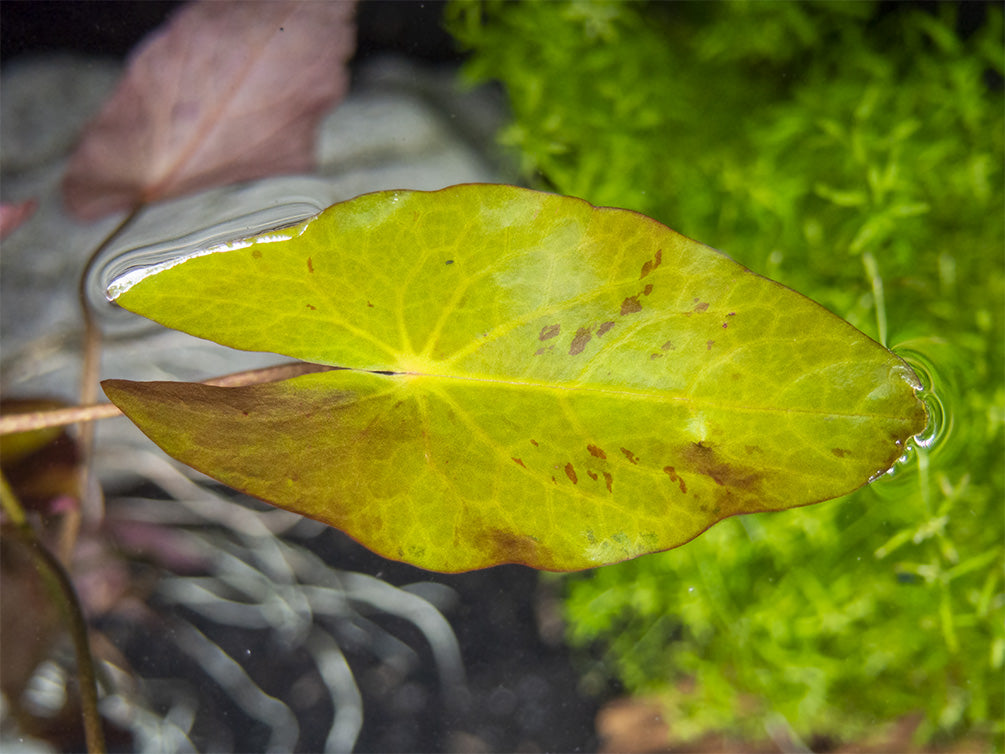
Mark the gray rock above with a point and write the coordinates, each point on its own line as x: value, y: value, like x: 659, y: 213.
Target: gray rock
x: 46, y: 102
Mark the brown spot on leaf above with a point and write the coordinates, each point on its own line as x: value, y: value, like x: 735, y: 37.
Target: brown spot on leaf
x: 312, y: 308
x: 703, y: 306
x: 591, y: 474
x: 609, y: 480
x: 647, y: 290
x: 840, y: 452
x: 653, y: 356
x: 630, y: 455
x: 596, y: 452
x: 583, y: 336
x: 709, y: 345
x: 675, y: 477
x: 725, y: 325
x: 652, y: 264
x: 668, y: 346
x: 630, y: 305
x: 310, y: 265
x: 571, y: 473
x: 704, y: 460
x: 549, y: 331
x: 256, y: 253
x: 369, y: 304
x: 534, y: 443
x: 509, y: 547
x: 543, y: 350
x: 602, y: 330
x: 518, y: 462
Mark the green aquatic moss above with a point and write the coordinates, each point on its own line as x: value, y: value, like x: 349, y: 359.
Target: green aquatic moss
x: 855, y: 153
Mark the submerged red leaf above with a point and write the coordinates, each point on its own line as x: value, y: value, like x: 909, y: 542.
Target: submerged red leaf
x: 226, y: 92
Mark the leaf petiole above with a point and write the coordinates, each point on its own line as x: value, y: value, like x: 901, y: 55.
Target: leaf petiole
x: 84, y: 414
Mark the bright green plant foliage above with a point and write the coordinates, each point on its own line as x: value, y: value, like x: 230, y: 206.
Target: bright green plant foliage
x: 855, y: 152
x: 526, y: 379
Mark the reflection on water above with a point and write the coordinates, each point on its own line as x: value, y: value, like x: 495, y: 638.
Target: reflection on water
x: 932, y: 360
x: 119, y: 268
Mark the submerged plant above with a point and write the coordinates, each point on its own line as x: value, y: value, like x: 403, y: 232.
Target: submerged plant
x: 854, y: 152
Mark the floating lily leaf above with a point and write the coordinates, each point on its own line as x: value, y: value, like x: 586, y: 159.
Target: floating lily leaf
x: 526, y: 378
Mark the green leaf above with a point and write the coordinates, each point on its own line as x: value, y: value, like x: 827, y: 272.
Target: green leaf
x: 526, y: 379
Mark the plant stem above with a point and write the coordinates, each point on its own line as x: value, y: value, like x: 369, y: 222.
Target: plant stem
x: 11, y: 505
x: 878, y: 298
x: 61, y: 417
x: 91, y: 368
x: 59, y: 585
x: 90, y: 373
x: 56, y: 417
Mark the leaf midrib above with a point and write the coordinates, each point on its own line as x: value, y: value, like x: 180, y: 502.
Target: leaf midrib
x: 652, y: 394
